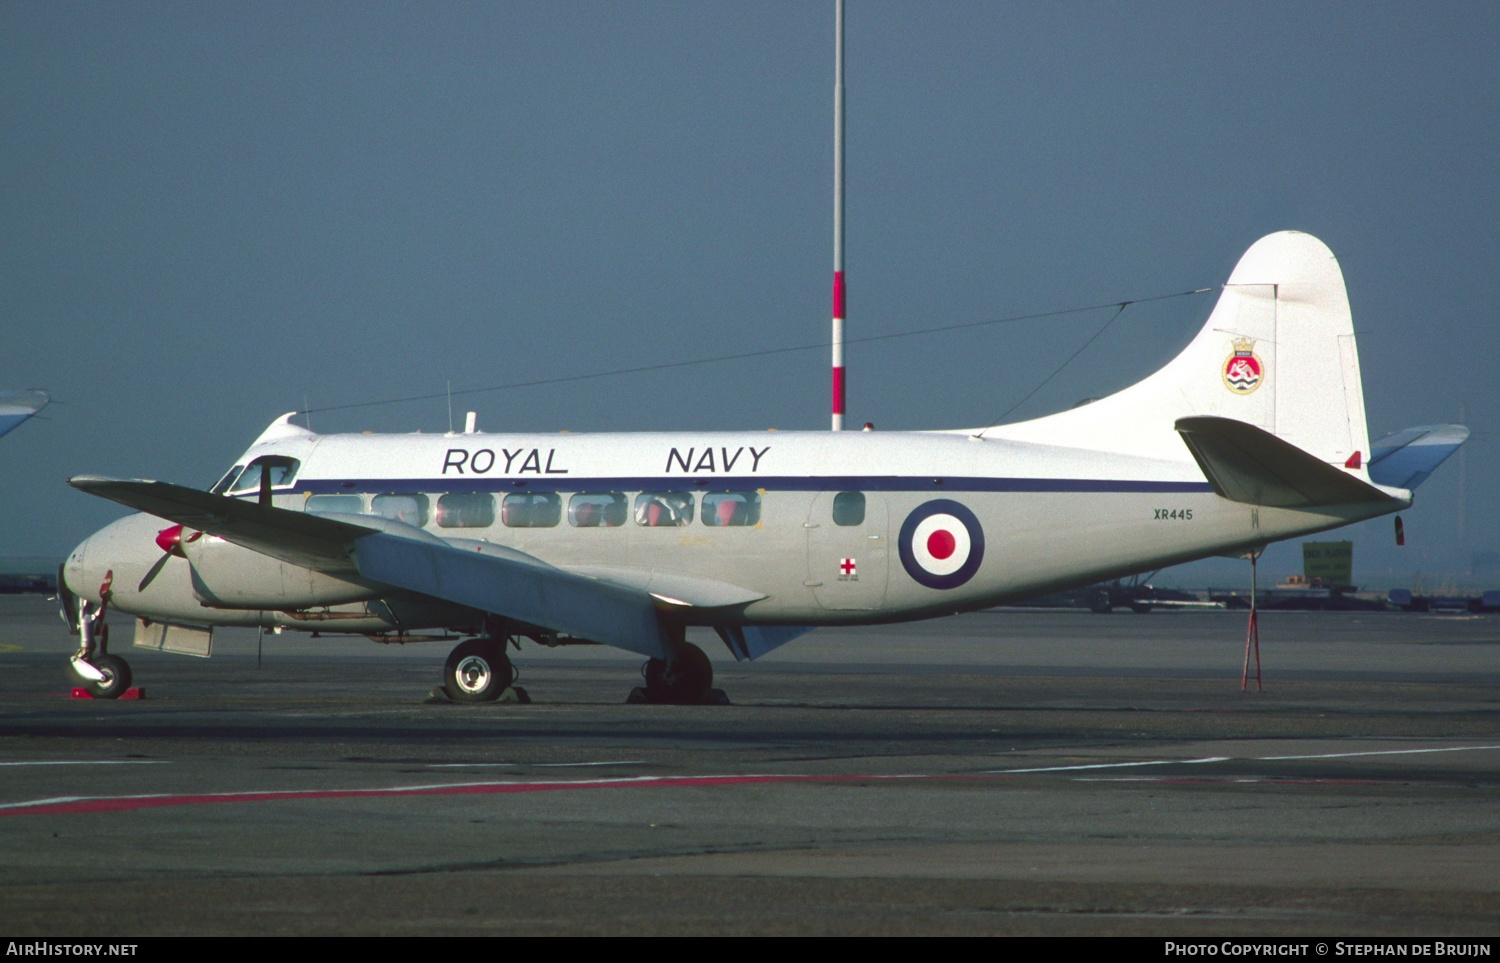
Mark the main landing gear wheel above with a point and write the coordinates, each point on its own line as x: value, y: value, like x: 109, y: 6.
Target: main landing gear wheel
x: 116, y: 679
x: 681, y: 681
x: 477, y: 671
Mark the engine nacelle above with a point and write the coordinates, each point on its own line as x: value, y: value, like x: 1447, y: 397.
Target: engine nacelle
x: 228, y: 576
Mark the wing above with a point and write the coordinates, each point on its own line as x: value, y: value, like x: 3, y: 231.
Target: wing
x: 614, y: 605
x: 312, y: 541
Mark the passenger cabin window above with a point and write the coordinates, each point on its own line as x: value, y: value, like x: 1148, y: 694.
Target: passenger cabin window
x: 597, y: 510
x: 849, y: 508
x: 281, y: 469
x: 730, y: 509
x: 467, y: 510
x: 344, y: 504
x: 531, y: 510
x: 663, y: 509
x: 411, y: 509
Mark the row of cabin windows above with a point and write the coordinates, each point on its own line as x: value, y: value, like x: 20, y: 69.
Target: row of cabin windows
x: 529, y: 509
x: 585, y: 509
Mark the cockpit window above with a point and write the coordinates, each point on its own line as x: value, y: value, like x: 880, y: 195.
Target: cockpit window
x: 281, y: 469
x: 227, y: 480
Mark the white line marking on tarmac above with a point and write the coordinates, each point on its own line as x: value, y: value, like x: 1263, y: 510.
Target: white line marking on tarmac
x: 532, y: 765
x: 148, y: 800
x: 1193, y: 762
x: 1380, y: 752
x: 1116, y: 765
x: 88, y: 762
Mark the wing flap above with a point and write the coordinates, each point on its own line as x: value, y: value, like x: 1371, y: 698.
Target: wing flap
x: 753, y: 641
x: 673, y: 589
x: 1247, y: 464
x: 516, y: 586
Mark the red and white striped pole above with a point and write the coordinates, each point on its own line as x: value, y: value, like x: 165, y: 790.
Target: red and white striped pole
x: 838, y: 217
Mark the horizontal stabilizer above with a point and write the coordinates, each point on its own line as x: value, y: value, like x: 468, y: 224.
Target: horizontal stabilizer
x: 1405, y: 459
x: 517, y: 586
x: 1247, y: 464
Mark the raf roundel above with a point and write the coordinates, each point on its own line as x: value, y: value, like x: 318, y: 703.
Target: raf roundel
x: 941, y: 544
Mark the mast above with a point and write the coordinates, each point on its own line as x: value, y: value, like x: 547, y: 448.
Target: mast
x: 838, y: 217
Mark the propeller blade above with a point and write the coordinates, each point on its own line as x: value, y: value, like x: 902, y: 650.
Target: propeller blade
x: 154, y: 571
x: 170, y: 541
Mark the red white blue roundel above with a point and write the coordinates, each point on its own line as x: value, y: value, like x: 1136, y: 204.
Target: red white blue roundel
x: 941, y: 544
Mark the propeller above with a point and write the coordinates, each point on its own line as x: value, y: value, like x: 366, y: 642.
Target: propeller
x: 170, y: 541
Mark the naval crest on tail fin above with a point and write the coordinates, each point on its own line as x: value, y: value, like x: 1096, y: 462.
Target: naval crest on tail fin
x: 1242, y: 369
x: 1277, y: 353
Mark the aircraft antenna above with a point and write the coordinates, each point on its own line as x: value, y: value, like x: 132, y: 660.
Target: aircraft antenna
x: 761, y: 353
x: 838, y: 217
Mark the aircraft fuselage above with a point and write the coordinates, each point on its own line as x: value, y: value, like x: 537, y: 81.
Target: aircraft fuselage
x: 811, y: 528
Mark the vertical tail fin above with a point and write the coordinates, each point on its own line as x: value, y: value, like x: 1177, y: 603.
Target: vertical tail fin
x: 1277, y: 353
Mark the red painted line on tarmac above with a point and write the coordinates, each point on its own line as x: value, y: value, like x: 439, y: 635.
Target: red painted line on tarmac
x: 110, y: 804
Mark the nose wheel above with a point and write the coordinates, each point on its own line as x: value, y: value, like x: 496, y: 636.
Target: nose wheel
x: 92, y: 668
x: 114, y: 676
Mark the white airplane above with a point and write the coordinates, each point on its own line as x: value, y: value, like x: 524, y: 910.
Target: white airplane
x: 1254, y: 433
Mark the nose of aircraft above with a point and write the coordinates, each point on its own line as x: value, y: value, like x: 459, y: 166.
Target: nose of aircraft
x: 93, y: 568
x: 69, y: 577
x: 73, y: 582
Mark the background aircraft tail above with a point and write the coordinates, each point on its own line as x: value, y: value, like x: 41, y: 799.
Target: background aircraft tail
x: 1404, y: 459
x: 17, y: 406
x: 1277, y: 353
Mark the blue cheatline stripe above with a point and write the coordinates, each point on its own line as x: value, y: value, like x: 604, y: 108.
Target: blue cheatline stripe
x: 719, y: 483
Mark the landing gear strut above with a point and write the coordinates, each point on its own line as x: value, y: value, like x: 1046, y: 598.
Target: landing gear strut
x: 478, y: 671
x: 102, y: 675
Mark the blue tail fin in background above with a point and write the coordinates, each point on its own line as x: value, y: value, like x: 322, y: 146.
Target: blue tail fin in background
x: 1405, y: 459
x: 17, y: 406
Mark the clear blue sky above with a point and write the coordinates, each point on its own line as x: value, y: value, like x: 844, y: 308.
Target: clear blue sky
x: 216, y: 213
